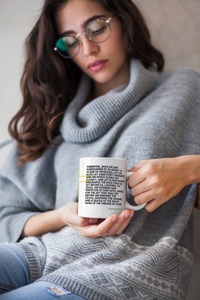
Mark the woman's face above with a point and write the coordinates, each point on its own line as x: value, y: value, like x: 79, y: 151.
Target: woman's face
x: 110, y: 56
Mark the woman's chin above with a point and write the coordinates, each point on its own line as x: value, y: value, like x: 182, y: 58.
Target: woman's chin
x: 101, y: 77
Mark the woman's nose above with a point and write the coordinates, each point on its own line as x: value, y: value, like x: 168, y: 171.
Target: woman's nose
x: 88, y: 47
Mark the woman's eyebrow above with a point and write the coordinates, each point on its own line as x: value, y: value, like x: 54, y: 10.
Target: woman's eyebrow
x: 83, y: 25
x: 91, y: 19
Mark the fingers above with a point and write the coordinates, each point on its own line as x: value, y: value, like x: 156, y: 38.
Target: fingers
x: 124, y: 219
x: 136, y: 178
x: 144, y: 197
x: 110, y: 226
x: 147, y: 169
x: 139, y: 189
x: 138, y: 166
x: 118, y: 224
x: 152, y: 199
x: 156, y: 181
x: 104, y: 227
x: 92, y: 220
x: 71, y: 216
x: 152, y: 205
x: 89, y: 227
x: 97, y: 230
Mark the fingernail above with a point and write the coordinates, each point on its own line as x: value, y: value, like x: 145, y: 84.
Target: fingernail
x: 114, y: 218
x: 131, y: 215
x: 126, y: 215
x: 90, y: 221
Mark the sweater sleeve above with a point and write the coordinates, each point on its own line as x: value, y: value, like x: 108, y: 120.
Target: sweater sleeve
x: 24, y: 192
x: 15, y: 210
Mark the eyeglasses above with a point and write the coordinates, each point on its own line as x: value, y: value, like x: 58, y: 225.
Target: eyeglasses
x: 97, y: 31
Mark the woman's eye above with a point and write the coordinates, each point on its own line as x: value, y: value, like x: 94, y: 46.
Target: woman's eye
x: 72, y: 45
x: 99, y: 31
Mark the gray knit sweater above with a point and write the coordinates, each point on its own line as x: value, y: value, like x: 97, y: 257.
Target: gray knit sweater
x: 153, y: 116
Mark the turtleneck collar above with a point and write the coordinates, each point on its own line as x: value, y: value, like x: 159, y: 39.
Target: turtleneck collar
x: 83, y: 124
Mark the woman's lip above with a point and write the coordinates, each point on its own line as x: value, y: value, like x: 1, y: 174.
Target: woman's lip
x: 97, y: 65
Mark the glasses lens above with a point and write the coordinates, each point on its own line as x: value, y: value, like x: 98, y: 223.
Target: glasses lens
x: 67, y: 46
x: 98, y: 31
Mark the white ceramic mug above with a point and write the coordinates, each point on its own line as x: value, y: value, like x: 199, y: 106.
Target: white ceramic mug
x: 102, y: 187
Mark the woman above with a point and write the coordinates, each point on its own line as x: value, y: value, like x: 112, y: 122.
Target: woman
x: 92, y: 87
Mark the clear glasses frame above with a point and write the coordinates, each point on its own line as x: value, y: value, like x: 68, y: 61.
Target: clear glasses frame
x: 85, y: 33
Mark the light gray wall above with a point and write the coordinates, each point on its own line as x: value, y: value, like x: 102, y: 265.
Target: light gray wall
x: 175, y: 28
x: 16, y: 20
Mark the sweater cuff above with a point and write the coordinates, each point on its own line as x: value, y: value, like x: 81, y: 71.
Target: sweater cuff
x: 13, y: 225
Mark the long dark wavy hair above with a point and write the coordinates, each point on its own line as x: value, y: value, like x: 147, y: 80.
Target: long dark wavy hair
x: 49, y: 82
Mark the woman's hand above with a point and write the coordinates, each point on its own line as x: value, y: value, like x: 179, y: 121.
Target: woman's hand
x: 52, y: 221
x: 158, y: 180
x: 96, y: 227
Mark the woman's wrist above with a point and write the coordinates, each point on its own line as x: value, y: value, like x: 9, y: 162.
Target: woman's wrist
x: 190, y: 167
x: 61, y: 216
x: 55, y: 219
x: 39, y: 224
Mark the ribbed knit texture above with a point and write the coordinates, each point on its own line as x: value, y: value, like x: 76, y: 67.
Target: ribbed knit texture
x: 94, y: 120
x: 152, y: 116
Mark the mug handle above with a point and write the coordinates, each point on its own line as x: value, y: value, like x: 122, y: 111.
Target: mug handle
x: 129, y: 206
